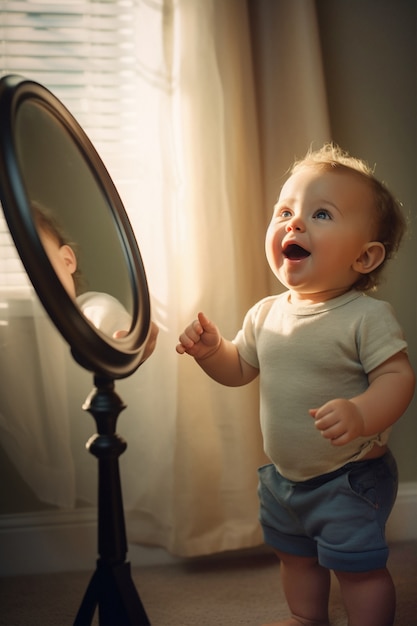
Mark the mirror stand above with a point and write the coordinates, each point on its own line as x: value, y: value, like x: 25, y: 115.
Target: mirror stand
x: 47, y: 161
x: 111, y: 587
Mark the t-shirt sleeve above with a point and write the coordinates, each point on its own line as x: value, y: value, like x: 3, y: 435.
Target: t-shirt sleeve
x: 245, y: 340
x: 380, y: 336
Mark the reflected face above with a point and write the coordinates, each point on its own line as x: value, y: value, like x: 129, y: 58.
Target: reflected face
x: 62, y: 259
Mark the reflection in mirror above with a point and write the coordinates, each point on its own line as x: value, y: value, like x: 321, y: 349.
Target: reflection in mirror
x: 103, y: 310
x: 73, y: 219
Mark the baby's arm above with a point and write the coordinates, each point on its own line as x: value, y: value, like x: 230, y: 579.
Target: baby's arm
x: 217, y: 356
x: 391, y: 388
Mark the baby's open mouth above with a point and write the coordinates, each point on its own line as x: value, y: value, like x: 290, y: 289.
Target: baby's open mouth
x: 294, y: 252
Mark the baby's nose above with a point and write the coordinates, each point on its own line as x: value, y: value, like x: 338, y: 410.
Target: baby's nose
x: 295, y: 223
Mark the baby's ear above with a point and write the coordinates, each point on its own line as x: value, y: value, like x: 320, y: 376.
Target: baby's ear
x: 68, y: 255
x: 372, y: 255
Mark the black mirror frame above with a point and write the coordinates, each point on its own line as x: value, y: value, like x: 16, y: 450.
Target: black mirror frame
x: 103, y: 355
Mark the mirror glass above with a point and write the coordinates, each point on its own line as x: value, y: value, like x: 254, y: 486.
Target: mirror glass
x: 71, y: 230
x: 66, y: 200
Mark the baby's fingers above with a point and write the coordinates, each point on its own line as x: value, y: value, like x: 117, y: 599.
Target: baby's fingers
x: 189, y: 337
x: 206, y: 324
x: 180, y: 348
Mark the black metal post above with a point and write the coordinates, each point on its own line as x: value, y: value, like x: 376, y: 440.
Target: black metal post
x: 111, y: 587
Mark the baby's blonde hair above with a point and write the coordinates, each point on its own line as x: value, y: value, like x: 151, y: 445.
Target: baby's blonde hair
x: 390, y: 222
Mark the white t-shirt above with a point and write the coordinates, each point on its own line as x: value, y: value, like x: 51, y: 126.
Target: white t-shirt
x: 104, y: 311
x: 308, y: 355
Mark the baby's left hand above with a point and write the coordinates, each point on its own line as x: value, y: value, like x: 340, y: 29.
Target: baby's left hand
x: 339, y: 420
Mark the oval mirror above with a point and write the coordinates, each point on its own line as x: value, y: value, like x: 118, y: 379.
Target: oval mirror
x: 71, y: 230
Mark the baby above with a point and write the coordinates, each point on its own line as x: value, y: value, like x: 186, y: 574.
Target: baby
x: 334, y: 377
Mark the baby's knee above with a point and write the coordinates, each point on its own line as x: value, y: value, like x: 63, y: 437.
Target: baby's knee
x: 295, y: 560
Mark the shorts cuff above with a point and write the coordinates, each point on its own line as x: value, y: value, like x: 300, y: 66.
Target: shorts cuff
x: 291, y: 544
x: 353, y: 561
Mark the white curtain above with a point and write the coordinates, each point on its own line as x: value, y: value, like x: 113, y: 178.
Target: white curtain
x: 228, y: 93
x: 34, y: 414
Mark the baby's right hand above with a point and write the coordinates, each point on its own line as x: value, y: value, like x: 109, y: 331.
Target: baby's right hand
x: 200, y: 339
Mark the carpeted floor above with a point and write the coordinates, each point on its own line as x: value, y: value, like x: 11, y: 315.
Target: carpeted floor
x: 213, y: 591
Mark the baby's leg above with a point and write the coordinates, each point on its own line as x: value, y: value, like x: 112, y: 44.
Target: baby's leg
x: 306, y: 585
x: 369, y: 597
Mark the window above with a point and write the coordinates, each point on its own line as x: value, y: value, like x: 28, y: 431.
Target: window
x: 87, y: 53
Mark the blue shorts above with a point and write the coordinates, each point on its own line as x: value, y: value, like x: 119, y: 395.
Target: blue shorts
x: 339, y: 517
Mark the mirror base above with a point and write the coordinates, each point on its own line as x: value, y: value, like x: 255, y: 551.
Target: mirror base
x: 111, y: 589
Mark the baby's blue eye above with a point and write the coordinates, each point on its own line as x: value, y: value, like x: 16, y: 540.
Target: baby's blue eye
x: 322, y: 214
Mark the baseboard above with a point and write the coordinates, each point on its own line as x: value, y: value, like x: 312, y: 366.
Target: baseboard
x: 58, y: 541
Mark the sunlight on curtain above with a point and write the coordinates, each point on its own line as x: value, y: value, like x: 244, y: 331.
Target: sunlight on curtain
x: 192, y: 174
x: 190, y: 470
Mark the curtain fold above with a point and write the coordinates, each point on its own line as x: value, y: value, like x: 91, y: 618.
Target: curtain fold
x: 34, y: 419
x: 227, y: 94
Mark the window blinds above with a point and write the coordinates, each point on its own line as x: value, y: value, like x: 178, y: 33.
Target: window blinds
x: 84, y: 52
